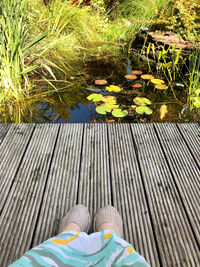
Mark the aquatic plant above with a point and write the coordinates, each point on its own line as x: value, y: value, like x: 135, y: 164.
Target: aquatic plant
x: 194, y: 80
x: 113, y: 88
x: 163, y: 111
x: 14, y: 48
x: 119, y: 113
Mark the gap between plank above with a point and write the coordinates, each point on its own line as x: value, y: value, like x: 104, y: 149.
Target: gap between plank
x: 17, y: 169
x: 109, y: 161
x: 39, y: 211
x: 146, y: 198
x: 176, y: 186
x: 187, y: 145
x: 80, y: 163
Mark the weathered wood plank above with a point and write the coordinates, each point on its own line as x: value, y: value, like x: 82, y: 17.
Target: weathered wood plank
x: 191, y: 134
x: 128, y: 192
x: 176, y: 242
x: 20, y: 212
x: 94, y: 187
x: 61, y: 188
x: 12, y: 151
x: 3, y: 131
x: 184, y: 170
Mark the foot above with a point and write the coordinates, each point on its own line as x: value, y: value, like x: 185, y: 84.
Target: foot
x: 77, y: 219
x: 108, y: 218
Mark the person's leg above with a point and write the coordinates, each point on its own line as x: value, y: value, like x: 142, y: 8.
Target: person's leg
x: 108, y: 218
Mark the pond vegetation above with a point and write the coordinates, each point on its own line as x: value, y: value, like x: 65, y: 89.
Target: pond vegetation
x: 95, y: 61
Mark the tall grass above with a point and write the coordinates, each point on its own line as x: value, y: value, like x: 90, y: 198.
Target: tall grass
x: 14, y: 83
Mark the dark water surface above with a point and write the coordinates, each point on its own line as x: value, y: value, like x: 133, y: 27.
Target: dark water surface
x: 72, y: 106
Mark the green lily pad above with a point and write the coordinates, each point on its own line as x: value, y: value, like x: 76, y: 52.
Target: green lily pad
x: 95, y: 97
x: 144, y: 110
x: 103, y: 109
x: 141, y: 101
x: 119, y: 113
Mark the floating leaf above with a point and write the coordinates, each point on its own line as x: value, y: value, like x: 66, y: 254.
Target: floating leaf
x: 137, y: 85
x: 131, y: 77
x: 161, y: 86
x: 137, y: 72
x: 134, y: 106
x: 101, y: 82
x: 95, y: 97
x: 113, y: 88
x: 111, y: 105
x: 157, y: 81
x: 102, y: 109
x: 147, y: 77
x: 144, y: 110
x: 163, y: 111
x: 118, y: 113
x: 109, y: 99
x: 141, y: 101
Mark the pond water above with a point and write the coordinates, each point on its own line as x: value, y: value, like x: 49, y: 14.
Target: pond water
x: 72, y: 106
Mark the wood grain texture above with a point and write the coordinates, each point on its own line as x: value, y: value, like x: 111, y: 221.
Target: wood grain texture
x: 13, y: 148
x: 20, y: 212
x: 3, y: 131
x: 191, y: 134
x: 150, y: 172
x: 94, y: 186
x: 184, y: 169
x: 176, y: 242
x: 62, y: 184
x: 128, y: 192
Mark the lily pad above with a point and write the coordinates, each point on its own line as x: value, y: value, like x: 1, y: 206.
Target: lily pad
x: 103, y: 109
x: 141, y: 101
x: 101, y: 82
x: 161, y: 86
x: 109, y: 99
x: 157, y: 81
x: 144, y: 110
x: 111, y: 105
x: 137, y: 85
x: 130, y: 76
x: 119, y: 113
x: 113, y: 88
x: 95, y: 97
x: 134, y: 106
x: 137, y: 72
x: 147, y: 77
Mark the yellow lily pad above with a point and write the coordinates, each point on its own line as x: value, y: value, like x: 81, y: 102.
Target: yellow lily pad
x: 134, y: 106
x: 109, y: 99
x: 95, y: 97
x: 157, y: 81
x: 147, y: 77
x: 111, y: 105
x: 141, y: 101
x: 161, y: 86
x: 113, y: 88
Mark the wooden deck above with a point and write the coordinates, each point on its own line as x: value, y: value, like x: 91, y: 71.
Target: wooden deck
x: 150, y: 172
